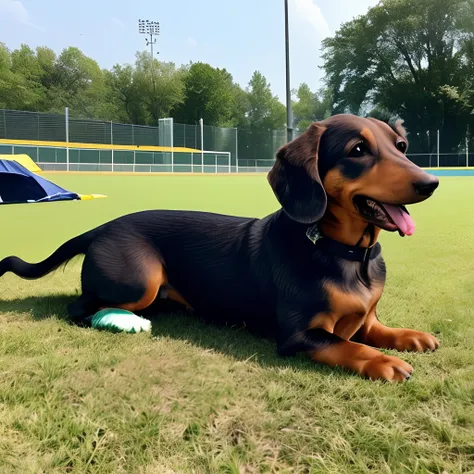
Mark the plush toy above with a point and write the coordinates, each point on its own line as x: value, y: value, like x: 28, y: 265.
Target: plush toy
x: 120, y: 320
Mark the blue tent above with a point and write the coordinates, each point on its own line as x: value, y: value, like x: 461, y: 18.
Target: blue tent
x: 19, y: 185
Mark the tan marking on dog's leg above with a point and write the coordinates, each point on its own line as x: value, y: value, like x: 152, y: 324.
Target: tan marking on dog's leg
x: 378, y: 335
x: 365, y: 361
x: 174, y: 295
x: 156, y: 276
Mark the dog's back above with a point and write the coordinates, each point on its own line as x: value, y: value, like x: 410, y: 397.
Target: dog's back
x: 214, y: 260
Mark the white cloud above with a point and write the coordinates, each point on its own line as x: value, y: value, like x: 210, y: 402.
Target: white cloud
x: 306, y: 11
x: 116, y: 22
x: 191, y: 42
x: 16, y: 10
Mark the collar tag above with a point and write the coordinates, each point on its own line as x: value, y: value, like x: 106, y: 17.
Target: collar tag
x: 314, y: 234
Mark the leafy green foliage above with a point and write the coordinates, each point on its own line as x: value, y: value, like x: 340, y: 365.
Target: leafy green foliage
x: 209, y: 95
x: 157, y: 87
x: 311, y: 106
x: 265, y: 111
x: 15, y: 85
x: 412, y: 58
x: 140, y: 93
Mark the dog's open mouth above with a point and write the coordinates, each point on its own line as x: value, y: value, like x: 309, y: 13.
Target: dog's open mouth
x: 386, y: 216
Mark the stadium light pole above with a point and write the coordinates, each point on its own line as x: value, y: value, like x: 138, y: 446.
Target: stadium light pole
x: 152, y: 28
x: 289, y: 111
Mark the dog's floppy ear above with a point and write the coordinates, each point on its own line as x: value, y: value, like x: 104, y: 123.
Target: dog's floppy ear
x: 295, y: 179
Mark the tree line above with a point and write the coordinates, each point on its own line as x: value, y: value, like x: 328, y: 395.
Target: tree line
x: 412, y: 59
x: 139, y: 93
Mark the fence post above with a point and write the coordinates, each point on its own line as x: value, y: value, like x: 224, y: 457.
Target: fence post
x: 236, y: 150
x: 67, y: 138
x: 112, y: 139
x: 172, y: 146
x: 437, y: 148
x: 467, y: 152
x: 201, y: 124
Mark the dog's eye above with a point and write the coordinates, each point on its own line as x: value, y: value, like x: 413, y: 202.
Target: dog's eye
x: 358, y: 150
x: 402, y: 146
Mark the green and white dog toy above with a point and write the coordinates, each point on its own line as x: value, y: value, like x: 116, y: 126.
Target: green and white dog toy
x: 120, y: 320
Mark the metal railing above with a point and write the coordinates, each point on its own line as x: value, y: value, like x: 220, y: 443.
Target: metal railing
x: 56, y: 158
x: 53, y: 158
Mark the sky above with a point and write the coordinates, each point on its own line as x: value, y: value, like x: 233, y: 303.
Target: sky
x: 241, y: 36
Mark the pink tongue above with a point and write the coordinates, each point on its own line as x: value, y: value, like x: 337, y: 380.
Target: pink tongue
x: 402, y: 220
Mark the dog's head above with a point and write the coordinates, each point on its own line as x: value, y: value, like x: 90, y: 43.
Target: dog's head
x: 355, y: 162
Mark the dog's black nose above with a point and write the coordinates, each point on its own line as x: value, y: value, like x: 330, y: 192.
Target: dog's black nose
x: 424, y: 188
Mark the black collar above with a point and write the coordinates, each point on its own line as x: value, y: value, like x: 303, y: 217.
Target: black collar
x: 340, y: 250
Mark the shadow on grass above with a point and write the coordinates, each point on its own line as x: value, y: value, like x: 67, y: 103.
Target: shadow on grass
x: 174, y: 324
x: 40, y: 307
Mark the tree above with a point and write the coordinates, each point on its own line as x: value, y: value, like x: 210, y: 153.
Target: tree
x: 411, y: 58
x: 46, y: 59
x: 240, y: 107
x: 24, y: 64
x: 145, y: 92
x: 262, y: 128
x: 265, y: 112
x: 311, y: 107
x: 159, y: 85
x: 18, y: 79
x: 210, y: 95
x: 125, y: 95
x: 78, y: 83
x: 140, y: 93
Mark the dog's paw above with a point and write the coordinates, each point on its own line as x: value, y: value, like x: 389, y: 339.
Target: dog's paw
x: 386, y: 367
x: 415, y: 341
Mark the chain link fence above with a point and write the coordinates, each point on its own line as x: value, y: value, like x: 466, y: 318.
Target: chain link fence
x: 250, y: 150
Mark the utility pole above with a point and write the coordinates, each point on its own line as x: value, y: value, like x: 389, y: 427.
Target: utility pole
x: 289, y: 111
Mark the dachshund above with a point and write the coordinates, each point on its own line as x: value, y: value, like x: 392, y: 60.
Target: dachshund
x: 309, y: 275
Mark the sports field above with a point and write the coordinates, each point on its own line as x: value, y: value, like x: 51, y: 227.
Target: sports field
x: 200, y: 399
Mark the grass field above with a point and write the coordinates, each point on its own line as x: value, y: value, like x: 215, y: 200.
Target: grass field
x: 200, y: 399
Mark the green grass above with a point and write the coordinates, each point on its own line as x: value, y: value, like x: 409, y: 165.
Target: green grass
x: 201, y: 399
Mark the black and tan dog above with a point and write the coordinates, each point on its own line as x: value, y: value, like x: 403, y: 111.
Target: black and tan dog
x: 310, y: 274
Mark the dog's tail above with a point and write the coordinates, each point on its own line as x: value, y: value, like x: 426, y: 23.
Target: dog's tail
x: 30, y: 271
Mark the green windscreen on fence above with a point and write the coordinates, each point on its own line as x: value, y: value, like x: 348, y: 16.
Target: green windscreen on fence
x: 251, y: 149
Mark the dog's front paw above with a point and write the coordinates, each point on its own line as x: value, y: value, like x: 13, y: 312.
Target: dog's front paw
x: 416, y: 341
x: 386, y: 368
